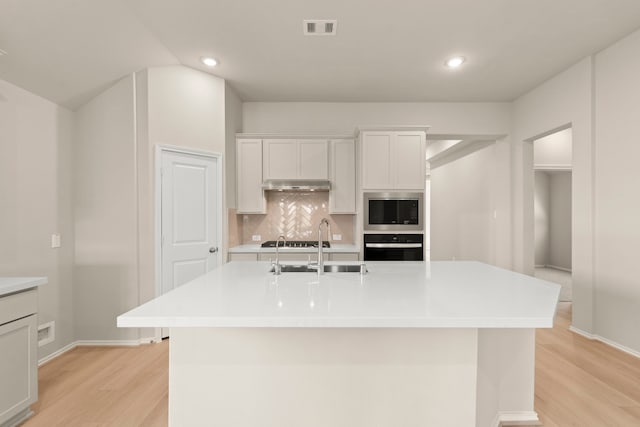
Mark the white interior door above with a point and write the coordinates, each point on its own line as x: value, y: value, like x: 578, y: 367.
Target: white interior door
x: 190, y: 217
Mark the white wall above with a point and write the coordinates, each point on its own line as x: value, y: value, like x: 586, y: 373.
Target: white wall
x: 177, y: 106
x: 117, y: 134
x: 344, y: 117
x: 542, y: 213
x: 553, y: 219
x: 617, y: 204
x: 560, y: 219
x: 233, y: 125
x: 553, y: 151
x: 462, y: 208
x: 105, y: 206
x: 564, y: 100
x: 597, y: 98
x: 35, y: 202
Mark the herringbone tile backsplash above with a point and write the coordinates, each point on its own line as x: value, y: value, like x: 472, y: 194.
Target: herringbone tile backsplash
x: 295, y: 215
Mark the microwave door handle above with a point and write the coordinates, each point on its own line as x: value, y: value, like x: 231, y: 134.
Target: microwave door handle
x: 393, y: 245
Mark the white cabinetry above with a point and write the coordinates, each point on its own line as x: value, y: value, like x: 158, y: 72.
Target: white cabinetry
x: 295, y: 159
x: 18, y: 355
x: 393, y: 160
x: 250, y: 196
x: 342, y: 198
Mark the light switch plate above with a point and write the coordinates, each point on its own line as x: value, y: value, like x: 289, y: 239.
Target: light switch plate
x: 337, y: 237
x: 256, y: 238
x: 55, y: 240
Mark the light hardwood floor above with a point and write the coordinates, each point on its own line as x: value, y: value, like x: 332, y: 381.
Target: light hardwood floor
x: 104, y: 386
x: 578, y: 383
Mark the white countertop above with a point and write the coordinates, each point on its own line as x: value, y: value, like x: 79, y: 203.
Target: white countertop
x: 447, y: 294
x: 335, y: 248
x: 9, y: 285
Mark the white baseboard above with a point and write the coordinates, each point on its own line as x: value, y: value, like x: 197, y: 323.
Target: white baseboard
x: 520, y: 418
x: 568, y: 270
x: 606, y: 341
x: 555, y: 267
x: 95, y: 343
x: 57, y: 353
x: 109, y: 343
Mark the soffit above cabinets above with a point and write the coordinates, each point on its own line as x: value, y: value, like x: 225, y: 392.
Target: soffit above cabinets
x: 293, y: 136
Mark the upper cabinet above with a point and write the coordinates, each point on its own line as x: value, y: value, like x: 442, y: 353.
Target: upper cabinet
x: 295, y: 159
x: 250, y: 196
x: 393, y: 160
x: 342, y: 198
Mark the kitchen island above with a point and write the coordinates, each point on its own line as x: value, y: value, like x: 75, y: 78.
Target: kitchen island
x: 407, y: 344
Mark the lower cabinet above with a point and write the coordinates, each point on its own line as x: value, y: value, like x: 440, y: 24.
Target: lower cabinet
x: 344, y: 257
x: 271, y: 256
x: 243, y: 257
x: 290, y: 257
x: 18, y: 357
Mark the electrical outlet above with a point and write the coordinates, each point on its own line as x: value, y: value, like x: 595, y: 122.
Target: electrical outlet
x: 55, y: 240
x: 256, y: 238
x: 337, y: 237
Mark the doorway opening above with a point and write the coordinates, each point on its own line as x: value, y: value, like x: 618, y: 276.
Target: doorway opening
x: 552, y: 167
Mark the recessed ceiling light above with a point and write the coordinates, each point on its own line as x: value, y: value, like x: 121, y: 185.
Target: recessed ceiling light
x: 454, y: 62
x: 208, y: 61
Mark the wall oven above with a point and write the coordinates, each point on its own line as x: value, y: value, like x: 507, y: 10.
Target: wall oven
x: 393, y: 211
x: 393, y: 247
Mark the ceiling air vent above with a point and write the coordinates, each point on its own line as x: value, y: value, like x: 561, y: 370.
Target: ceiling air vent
x: 319, y: 27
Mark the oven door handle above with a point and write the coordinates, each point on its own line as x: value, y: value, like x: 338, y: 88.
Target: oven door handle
x: 393, y: 245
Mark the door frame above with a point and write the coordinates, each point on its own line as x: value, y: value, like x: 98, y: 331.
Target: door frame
x: 160, y: 150
x: 528, y: 239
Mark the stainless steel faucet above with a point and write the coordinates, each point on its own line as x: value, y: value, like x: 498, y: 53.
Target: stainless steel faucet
x: 277, y: 269
x: 320, y: 257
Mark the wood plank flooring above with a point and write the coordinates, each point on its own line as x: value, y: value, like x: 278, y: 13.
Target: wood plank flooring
x: 584, y: 383
x: 104, y: 386
x: 578, y: 383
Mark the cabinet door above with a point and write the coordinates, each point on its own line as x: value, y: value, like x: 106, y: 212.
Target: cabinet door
x: 342, y: 198
x: 344, y: 257
x: 243, y: 257
x: 280, y: 159
x: 376, y: 172
x: 303, y: 257
x: 408, y: 160
x: 250, y: 196
x: 313, y: 159
x: 18, y: 366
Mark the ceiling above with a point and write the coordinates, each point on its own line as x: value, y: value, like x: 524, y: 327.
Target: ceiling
x: 70, y: 50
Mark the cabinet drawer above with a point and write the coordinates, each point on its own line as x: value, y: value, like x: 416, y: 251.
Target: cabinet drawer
x: 15, y: 306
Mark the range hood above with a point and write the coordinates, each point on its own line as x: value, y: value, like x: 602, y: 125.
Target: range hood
x: 297, y: 185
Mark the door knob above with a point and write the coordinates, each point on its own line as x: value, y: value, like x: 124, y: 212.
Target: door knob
x: 213, y: 250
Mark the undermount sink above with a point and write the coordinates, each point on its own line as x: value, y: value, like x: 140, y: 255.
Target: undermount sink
x: 330, y: 268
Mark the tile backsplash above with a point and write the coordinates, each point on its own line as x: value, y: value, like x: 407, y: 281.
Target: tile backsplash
x: 296, y: 215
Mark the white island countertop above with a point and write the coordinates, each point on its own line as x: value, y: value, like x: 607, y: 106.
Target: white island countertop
x: 446, y: 294
x: 10, y: 285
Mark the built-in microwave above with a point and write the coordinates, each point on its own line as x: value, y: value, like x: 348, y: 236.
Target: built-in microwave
x: 393, y: 211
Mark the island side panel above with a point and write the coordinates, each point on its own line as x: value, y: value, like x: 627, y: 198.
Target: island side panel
x: 318, y: 377
x: 506, y: 377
